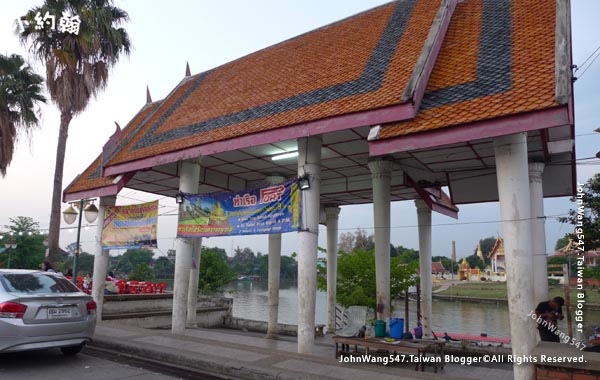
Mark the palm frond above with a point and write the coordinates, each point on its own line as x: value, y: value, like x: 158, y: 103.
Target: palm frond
x: 80, y: 61
x: 20, y: 94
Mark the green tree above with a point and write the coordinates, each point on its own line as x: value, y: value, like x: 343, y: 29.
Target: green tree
x: 29, y: 252
x: 592, y: 272
x: 363, y: 241
x: 407, y: 255
x: 585, y: 218
x: 132, y: 258
x: 164, y: 268
x: 214, y: 270
x: 562, y: 242
x: 141, y: 272
x: 289, y: 268
x: 20, y: 95
x: 357, y: 240
x: 77, y: 68
x: 393, y: 251
x: 356, y: 278
x: 475, y: 262
x: 262, y: 265
x: 486, y: 245
x: 243, y: 261
x: 553, y: 260
x: 85, y: 263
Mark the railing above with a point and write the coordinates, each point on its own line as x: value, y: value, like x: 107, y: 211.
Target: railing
x: 341, y: 317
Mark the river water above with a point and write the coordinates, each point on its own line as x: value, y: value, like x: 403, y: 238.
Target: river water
x: 250, y: 301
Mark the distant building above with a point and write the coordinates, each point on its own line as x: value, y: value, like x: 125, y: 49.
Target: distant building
x: 496, y: 256
x: 591, y: 258
x: 438, y: 269
x: 467, y: 273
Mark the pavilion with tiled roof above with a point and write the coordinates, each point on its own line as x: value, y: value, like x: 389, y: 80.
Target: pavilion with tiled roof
x: 496, y: 255
x: 392, y: 104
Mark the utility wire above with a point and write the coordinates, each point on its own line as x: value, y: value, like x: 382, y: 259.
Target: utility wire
x: 587, y: 59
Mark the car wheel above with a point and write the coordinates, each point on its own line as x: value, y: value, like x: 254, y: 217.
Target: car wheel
x: 71, y: 350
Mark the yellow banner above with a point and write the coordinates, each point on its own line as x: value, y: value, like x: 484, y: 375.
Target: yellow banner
x: 132, y: 226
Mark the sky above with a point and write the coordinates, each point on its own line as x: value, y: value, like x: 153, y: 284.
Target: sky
x: 207, y: 34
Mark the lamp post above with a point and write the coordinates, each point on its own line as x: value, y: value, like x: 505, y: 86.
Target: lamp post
x: 10, y: 243
x: 70, y: 214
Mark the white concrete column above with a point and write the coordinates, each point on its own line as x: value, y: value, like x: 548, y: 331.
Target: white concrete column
x: 101, y: 257
x: 274, y: 272
x: 332, y: 214
x: 424, y: 222
x: 189, y: 176
x: 192, y: 301
x: 538, y: 237
x: 273, y: 284
x: 309, y: 163
x: 381, y: 174
x: 515, y: 209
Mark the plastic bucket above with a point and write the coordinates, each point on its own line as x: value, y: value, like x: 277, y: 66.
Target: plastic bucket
x: 379, y: 329
x: 397, y: 328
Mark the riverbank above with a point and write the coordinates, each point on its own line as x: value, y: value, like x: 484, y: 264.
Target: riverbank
x: 495, y: 293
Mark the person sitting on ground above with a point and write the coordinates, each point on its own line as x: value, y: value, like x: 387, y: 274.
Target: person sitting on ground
x: 110, y: 287
x: 549, y: 313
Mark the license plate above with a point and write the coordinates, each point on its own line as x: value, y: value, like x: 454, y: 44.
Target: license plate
x: 59, y: 312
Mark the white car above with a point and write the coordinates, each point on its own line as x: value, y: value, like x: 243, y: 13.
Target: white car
x: 42, y: 310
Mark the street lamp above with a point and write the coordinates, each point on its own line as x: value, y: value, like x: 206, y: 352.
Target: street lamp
x: 10, y: 243
x: 70, y: 214
x: 304, y: 182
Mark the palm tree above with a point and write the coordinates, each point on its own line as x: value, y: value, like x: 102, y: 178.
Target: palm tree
x: 77, y: 68
x: 20, y: 94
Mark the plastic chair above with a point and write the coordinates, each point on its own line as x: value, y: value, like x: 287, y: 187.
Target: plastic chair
x: 357, y: 318
x: 134, y: 287
x: 148, y: 288
x: 122, y: 285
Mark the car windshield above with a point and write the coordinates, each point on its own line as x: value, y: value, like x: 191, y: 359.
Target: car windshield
x: 36, y: 283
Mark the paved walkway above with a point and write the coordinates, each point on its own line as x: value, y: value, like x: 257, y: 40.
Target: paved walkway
x: 245, y: 355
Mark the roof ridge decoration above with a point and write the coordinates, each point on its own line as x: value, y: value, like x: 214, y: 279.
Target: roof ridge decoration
x: 124, y: 141
x: 112, y: 142
x: 424, y: 66
x: 504, y: 49
x: 91, y: 177
x: 563, y: 69
x: 495, y: 38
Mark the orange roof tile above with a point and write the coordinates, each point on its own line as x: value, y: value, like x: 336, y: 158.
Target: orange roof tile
x: 359, y: 63
x: 497, y: 59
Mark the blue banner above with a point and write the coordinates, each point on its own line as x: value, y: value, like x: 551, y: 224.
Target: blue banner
x: 268, y: 210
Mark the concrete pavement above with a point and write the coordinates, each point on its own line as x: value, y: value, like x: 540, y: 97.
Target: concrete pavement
x: 236, y: 354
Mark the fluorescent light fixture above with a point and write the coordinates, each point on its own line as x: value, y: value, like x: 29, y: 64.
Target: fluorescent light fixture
x: 284, y: 156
